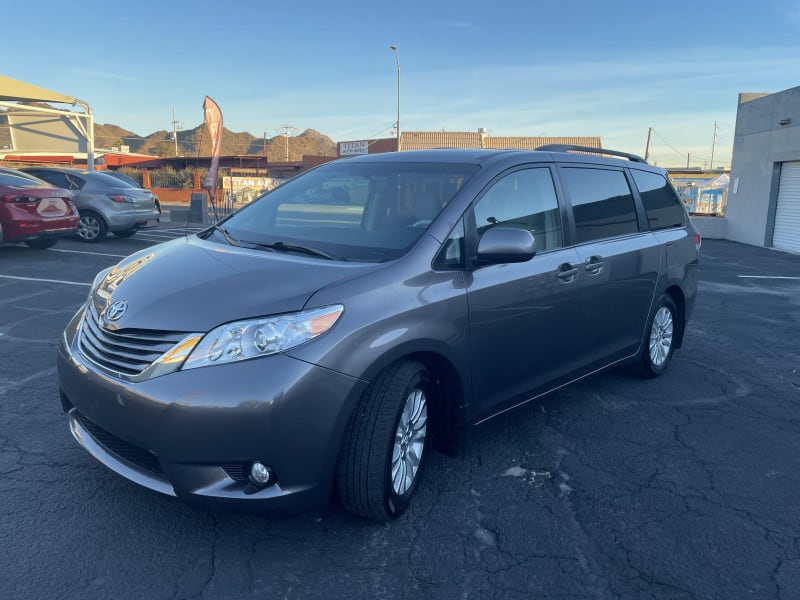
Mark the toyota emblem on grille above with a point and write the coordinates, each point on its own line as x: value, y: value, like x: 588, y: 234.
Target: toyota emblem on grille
x: 116, y: 310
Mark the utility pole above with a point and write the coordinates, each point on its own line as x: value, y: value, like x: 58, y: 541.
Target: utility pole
x: 713, y: 144
x: 175, y: 128
x: 397, y: 60
x: 687, y: 160
x: 265, y: 153
x: 286, y: 131
x: 647, y: 146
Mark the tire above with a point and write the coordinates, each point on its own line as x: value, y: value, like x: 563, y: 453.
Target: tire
x: 42, y: 244
x: 92, y: 227
x: 125, y: 234
x: 385, y: 443
x: 659, y: 342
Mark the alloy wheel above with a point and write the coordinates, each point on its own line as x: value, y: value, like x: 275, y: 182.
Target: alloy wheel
x: 409, y: 441
x: 661, y: 336
x: 89, y: 227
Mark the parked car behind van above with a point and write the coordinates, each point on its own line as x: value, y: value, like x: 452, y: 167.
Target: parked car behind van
x: 318, y: 340
x: 33, y: 211
x: 104, y: 202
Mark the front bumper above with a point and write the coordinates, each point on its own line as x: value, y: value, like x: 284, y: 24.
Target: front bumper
x: 194, y: 433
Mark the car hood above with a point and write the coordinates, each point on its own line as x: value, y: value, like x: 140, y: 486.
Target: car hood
x: 193, y: 285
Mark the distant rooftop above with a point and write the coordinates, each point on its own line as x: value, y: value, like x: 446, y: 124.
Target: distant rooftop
x: 425, y: 140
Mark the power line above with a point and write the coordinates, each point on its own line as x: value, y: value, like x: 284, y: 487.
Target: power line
x: 678, y: 152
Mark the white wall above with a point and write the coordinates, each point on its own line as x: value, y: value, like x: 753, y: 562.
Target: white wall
x: 760, y: 144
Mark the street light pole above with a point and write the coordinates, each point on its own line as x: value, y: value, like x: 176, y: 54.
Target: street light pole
x: 397, y: 60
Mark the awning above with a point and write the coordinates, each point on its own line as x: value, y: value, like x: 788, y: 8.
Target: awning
x: 13, y: 90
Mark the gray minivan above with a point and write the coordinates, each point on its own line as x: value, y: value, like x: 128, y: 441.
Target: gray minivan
x: 328, y: 335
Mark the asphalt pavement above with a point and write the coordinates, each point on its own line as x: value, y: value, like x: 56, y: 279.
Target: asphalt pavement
x: 686, y: 486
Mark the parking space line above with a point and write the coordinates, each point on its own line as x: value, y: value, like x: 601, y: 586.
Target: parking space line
x: 767, y: 277
x: 44, y: 280
x: 85, y: 252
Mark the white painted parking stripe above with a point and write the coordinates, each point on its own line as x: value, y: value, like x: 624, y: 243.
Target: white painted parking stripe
x: 85, y: 252
x: 44, y: 280
x: 767, y: 277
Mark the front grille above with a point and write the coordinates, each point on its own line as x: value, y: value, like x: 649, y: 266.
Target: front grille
x: 125, y: 351
x: 130, y: 453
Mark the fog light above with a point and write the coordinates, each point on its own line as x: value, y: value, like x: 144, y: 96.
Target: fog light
x: 259, y: 474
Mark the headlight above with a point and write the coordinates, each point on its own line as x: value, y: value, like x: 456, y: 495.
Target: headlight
x: 98, y: 279
x: 243, y: 340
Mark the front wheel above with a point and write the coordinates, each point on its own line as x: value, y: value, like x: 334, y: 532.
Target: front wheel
x: 385, y: 442
x: 656, y: 352
x: 92, y: 227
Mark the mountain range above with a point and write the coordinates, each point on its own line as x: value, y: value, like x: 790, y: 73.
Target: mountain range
x: 197, y: 142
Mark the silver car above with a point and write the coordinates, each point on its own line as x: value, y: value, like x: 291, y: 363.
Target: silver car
x: 104, y: 202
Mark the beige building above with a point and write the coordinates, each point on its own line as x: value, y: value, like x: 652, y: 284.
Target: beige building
x: 426, y: 140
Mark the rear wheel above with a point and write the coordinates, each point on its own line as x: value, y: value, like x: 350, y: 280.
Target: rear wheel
x: 92, y: 227
x: 41, y: 244
x: 385, y: 443
x: 656, y: 352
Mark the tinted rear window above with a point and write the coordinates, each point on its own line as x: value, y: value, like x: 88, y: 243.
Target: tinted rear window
x: 663, y: 208
x: 19, y: 181
x: 602, y: 203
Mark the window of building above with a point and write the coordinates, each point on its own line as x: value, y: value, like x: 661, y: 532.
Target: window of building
x: 664, y: 209
x: 602, y: 203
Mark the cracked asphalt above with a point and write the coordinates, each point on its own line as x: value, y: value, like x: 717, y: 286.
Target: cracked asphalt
x: 687, y: 486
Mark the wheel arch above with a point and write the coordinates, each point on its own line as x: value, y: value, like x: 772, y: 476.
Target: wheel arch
x: 678, y: 297
x: 449, y: 403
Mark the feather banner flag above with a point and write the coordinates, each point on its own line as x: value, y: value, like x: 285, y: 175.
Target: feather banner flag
x: 213, y: 121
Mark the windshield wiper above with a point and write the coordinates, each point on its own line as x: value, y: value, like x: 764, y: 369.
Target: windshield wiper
x: 284, y: 247
x: 228, y: 237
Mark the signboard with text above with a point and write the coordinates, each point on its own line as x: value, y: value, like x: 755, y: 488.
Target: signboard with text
x: 353, y: 148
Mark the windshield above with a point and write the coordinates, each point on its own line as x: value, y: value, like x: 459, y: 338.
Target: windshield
x: 352, y: 210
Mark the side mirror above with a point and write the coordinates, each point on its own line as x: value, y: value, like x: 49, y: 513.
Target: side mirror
x: 505, y: 245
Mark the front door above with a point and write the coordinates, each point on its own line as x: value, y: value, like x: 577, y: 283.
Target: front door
x: 523, y: 316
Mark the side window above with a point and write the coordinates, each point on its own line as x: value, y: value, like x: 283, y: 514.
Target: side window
x: 56, y: 179
x: 663, y: 208
x: 74, y: 182
x: 451, y: 256
x: 602, y: 203
x: 524, y: 199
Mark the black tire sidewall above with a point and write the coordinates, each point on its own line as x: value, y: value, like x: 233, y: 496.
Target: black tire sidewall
x: 396, y: 504
x: 42, y: 244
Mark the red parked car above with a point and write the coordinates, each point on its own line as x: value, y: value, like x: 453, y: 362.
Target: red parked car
x: 33, y: 211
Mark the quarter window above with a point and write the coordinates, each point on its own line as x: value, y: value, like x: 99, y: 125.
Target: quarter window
x: 663, y: 208
x: 602, y: 203
x: 525, y: 199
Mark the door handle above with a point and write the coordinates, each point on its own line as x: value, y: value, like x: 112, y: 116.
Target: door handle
x: 567, y: 272
x: 594, y: 264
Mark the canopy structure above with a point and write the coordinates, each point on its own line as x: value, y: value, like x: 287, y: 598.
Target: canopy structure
x: 59, y: 127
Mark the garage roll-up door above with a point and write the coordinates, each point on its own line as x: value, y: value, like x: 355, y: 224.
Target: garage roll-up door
x: 786, y: 234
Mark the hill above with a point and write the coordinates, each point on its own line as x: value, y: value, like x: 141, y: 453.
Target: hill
x: 197, y: 142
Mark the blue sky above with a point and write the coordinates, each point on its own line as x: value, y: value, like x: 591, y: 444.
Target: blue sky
x: 515, y: 67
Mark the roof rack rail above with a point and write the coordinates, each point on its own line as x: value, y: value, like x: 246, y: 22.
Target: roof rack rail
x: 570, y: 147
